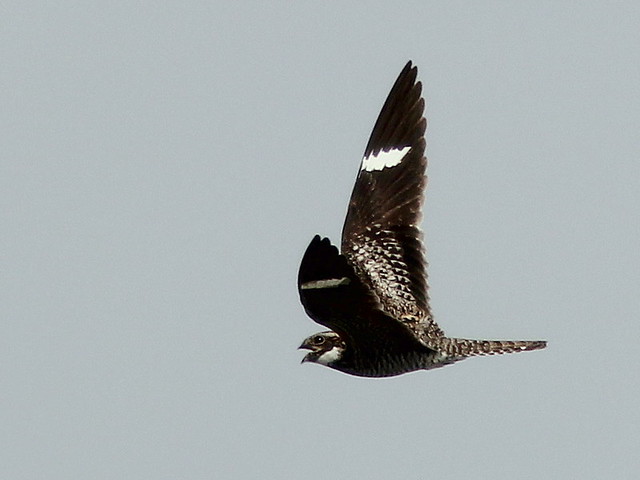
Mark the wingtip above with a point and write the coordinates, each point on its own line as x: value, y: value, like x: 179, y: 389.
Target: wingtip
x: 410, y: 69
x: 317, y: 238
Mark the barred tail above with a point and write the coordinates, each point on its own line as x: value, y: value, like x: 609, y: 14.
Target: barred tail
x: 461, y: 347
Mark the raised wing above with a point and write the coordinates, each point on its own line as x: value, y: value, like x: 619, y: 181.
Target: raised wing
x: 381, y: 236
x: 330, y: 291
x: 334, y: 296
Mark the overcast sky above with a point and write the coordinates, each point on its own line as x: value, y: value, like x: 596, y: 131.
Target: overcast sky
x: 163, y: 166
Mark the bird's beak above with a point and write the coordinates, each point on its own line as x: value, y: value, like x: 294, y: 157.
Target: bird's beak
x: 306, y: 346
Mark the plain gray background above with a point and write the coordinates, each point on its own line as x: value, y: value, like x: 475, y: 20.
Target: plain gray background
x: 165, y: 164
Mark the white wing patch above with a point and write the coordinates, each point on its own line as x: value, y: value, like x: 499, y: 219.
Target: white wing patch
x: 384, y: 159
x: 328, y: 283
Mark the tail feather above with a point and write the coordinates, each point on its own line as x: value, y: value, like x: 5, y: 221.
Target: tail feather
x: 462, y: 347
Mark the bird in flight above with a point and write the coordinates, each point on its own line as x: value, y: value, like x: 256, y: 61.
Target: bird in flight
x: 373, y: 296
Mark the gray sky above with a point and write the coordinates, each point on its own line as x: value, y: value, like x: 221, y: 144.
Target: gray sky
x: 165, y: 164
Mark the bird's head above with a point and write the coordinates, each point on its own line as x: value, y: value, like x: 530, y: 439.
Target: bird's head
x: 326, y: 348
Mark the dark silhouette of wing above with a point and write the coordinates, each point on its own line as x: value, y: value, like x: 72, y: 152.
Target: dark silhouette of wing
x: 334, y: 296
x: 381, y: 236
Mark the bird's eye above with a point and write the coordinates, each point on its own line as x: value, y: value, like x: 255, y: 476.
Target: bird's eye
x: 318, y: 339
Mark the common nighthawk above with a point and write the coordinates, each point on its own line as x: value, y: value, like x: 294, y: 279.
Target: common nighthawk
x: 373, y: 296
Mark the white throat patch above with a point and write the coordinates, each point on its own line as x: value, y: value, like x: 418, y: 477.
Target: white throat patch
x: 384, y: 159
x: 329, y: 356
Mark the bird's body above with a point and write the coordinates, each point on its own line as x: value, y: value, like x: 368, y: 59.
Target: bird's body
x: 373, y: 296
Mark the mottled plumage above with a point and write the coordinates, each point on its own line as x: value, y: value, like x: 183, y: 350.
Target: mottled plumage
x: 373, y: 296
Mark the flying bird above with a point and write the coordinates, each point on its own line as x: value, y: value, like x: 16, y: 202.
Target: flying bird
x: 373, y: 296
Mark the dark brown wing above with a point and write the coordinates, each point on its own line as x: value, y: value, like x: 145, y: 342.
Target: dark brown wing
x: 330, y: 291
x: 334, y: 296
x: 381, y: 236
